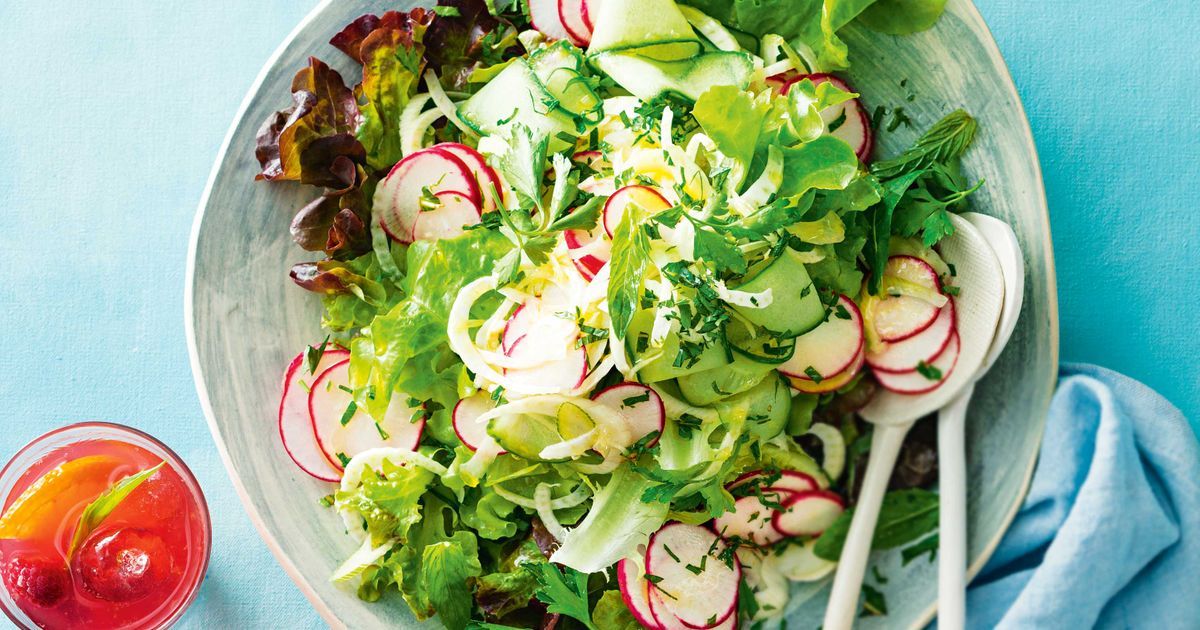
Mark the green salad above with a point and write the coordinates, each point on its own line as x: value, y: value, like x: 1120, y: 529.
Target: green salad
x: 605, y: 283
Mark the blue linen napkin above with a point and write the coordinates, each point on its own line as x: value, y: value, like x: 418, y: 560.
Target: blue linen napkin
x: 1109, y: 536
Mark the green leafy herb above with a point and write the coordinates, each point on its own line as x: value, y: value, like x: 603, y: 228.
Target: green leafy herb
x: 633, y: 400
x: 945, y: 141
x: 905, y: 516
x: 348, y: 414
x: 930, y: 372
x: 927, y: 545
x: 103, y: 505
x: 874, y: 603
x: 812, y: 373
x: 313, y: 354
x: 627, y: 271
x: 564, y: 591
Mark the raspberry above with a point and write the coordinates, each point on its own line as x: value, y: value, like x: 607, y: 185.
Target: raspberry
x: 39, y: 580
x: 124, y: 564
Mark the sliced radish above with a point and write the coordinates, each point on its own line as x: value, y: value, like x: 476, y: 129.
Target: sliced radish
x: 594, y: 159
x: 543, y: 15
x: 295, y: 426
x: 641, y: 407
x: 751, y: 518
x: 792, y: 480
x: 542, y: 311
x: 455, y: 210
x: 809, y: 513
x: 587, y: 14
x: 829, y: 348
x: 898, y: 317
x: 917, y: 383
x: 662, y: 616
x: 329, y: 403
x: 904, y: 356
x: 486, y: 177
x: 570, y: 14
x: 590, y: 251
x: 398, y: 197
x: 465, y: 419
x: 855, y: 128
x: 562, y: 374
x: 829, y: 384
x: 635, y: 592
x: 699, y: 597
x: 644, y: 197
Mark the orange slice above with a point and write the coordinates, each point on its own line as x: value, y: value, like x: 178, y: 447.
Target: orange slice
x: 41, y: 507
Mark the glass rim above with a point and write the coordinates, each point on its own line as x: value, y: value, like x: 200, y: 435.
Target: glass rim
x: 177, y: 462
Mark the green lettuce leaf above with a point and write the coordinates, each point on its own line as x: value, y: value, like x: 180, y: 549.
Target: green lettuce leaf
x: 513, y: 584
x: 391, y: 56
x: 733, y: 119
x: 902, y: 17
x: 389, y: 501
x: 611, y: 613
x: 826, y: 163
x: 405, y: 349
x: 618, y: 522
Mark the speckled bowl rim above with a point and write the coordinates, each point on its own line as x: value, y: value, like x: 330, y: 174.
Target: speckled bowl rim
x: 285, y: 561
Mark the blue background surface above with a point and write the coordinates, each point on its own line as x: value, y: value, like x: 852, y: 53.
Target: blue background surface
x: 113, y: 114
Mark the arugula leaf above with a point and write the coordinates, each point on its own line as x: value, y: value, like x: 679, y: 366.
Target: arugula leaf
x: 905, y: 516
x: 627, y: 271
x: 945, y: 141
x: 103, y: 505
x: 564, y: 591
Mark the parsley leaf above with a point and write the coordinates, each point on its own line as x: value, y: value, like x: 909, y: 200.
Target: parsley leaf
x: 564, y: 591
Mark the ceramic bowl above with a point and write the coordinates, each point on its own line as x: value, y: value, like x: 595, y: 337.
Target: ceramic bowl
x: 245, y: 319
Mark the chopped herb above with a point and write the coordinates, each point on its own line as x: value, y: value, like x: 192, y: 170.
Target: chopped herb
x: 812, y: 373
x: 930, y: 372
x: 698, y: 569
x: 841, y: 313
x: 874, y: 602
x: 429, y: 201
x: 899, y: 118
x: 346, y: 389
x: 383, y: 435
x: 634, y: 400
x: 313, y: 354
x: 343, y: 459
x: 720, y: 392
x: 951, y: 290
x: 879, y: 577
x: 348, y: 414
x: 326, y: 501
x: 688, y: 423
x: 927, y: 545
x: 671, y: 553
x: 497, y: 394
x: 837, y: 123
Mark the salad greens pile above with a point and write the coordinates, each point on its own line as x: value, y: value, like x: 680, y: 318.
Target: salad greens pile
x: 752, y: 178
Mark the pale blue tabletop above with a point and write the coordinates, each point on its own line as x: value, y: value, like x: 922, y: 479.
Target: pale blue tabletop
x: 112, y: 114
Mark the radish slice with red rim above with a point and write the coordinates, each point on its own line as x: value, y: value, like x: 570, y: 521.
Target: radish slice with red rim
x: 486, y: 177
x: 465, y: 419
x: 831, y: 384
x: 809, y: 513
x: 543, y: 15
x: 590, y: 251
x: 344, y: 430
x: 831, y: 347
x: 454, y: 212
x: 792, y: 480
x: 644, y: 197
x: 854, y: 126
x: 751, y: 518
x: 635, y: 592
x: 570, y: 15
x: 662, y: 616
x: 295, y: 425
x: 926, y: 379
x: 640, y: 406
x: 398, y: 197
x: 898, y: 317
x: 905, y: 356
x: 700, y: 597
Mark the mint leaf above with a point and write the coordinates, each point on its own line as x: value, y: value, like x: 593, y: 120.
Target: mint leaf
x: 103, y: 505
x: 945, y: 141
x: 905, y: 516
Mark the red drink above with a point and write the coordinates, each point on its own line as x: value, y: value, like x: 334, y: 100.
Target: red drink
x: 137, y: 567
